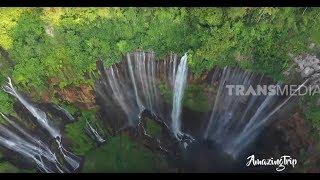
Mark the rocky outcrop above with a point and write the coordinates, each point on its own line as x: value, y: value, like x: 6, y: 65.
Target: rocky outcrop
x: 307, y: 65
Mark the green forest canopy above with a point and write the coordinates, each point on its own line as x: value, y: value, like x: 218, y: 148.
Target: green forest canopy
x: 44, y: 45
x: 52, y: 49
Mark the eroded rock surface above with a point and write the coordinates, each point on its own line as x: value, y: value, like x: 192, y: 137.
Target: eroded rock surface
x: 307, y: 65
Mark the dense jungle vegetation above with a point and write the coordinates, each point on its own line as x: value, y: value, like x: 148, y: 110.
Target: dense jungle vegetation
x: 49, y: 50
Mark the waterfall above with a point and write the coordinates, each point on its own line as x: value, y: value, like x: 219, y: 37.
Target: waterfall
x: 236, y: 120
x: 36, y: 149
x: 39, y: 115
x: 180, y: 81
x: 142, y: 85
x: 93, y: 133
x: 250, y: 130
x: 30, y: 147
x: 64, y: 112
x: 133, y: 85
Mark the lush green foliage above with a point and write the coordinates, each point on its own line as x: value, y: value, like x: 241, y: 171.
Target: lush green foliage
x: 254, y: 38
x: 153, y: 128
x: 53, y: 49
x: 121, y: 154
x: 64, y: 43
x: 75, y: 132
x: 6, y: 167
x: 312, y: 111
x: 6, y: 104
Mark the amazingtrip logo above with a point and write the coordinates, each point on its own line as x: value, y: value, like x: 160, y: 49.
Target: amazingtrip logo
x: 280, y: 163
x: 271, y: 90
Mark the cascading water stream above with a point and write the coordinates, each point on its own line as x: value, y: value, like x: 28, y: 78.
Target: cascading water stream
x: 31, y: 147
x: 251, y: 130
x: 135, y: 87
x: 234, y: 122
x: 30, y: 150
x: 180, y: 82
x: 93, y: 133
x: 40, y: 116
x: 65, y: 112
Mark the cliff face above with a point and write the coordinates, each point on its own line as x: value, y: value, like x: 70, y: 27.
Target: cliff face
x: 288, y: 136
x: 294, y: 137
x: 82, y: 97
x: 297, y: 132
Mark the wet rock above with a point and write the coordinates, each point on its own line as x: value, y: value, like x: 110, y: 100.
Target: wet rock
x: 57, y: 111
x: 64, y: 113
x: 307, y: 65
x: 93, y: 133
x: 308, y: 71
